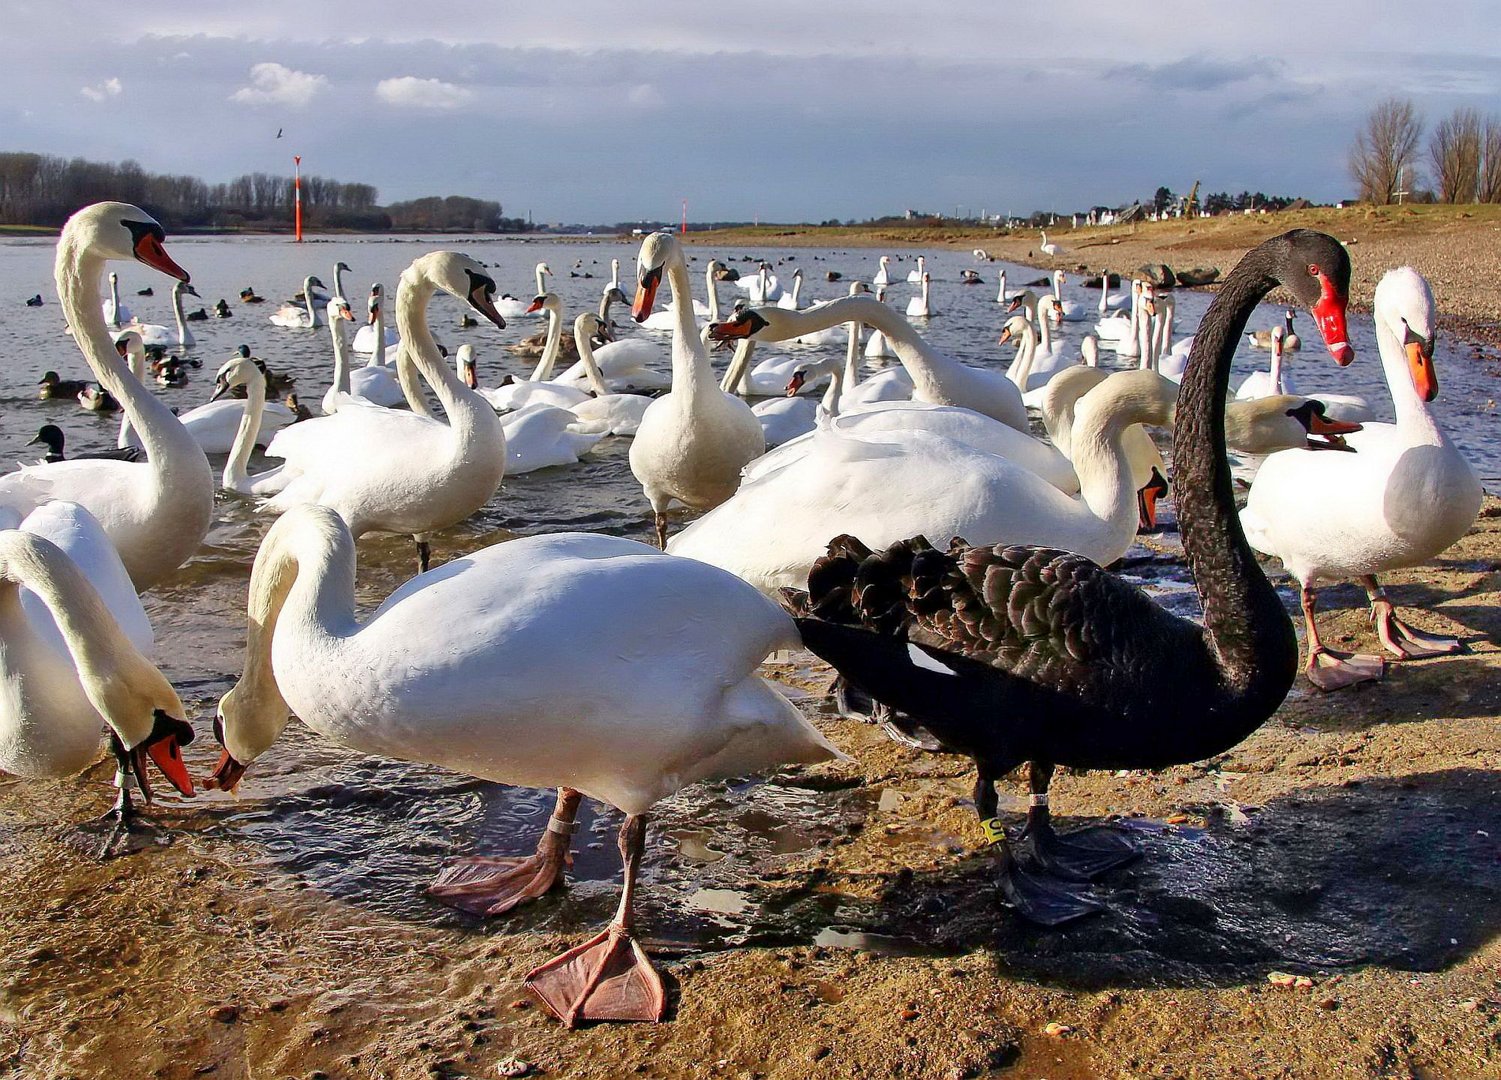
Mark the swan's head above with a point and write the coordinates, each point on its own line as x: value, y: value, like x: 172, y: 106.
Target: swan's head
x: 749, y: 323
x: 129, y: 343
x: 544, y: 269
x: 1149, y: 298
x: 467, y: 368
x: 312, y: 281
x: 1026, y: 299
x: 1018, y: 327
x: 1319, y: 431
x: 377, y: 295
x: 1279, y: 335
x: 344, y: 266
x: 1315, y: 268
x: 858, y: 288
x: 657, y: 251
x: 589, y: 327
x: 237, y: 371
x: 459, y: 275
x: 114, y: 230
x: 182, y: 288
x: 1405, y: 309
x: 552, y: 303
x: 338, y: 308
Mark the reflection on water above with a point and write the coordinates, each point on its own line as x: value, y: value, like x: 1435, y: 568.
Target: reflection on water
x: 376, y: 831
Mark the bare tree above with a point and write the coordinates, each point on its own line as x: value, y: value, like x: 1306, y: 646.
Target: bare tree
x: 1454, y: 154
x: 1488, y: 182
x: 1385, y: 150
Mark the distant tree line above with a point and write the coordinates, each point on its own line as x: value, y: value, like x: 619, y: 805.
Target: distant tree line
x: 1463, y: 156
x: 40, y: 189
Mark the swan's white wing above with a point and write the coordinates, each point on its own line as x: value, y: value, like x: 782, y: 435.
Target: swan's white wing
x: 82, y: 538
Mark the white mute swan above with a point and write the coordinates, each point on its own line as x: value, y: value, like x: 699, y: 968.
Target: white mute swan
x: 375, y: 328
x: 591, y: 663
x: 540, y: 437
x: 887, y: 484
x: 914, y: 277
x: 378, y: 382
x: 1049, y: 249
x: 72, y: 664
x: 694, y: 440
x: 920, y: 306
x: 155, y: 511
x: 1064, y: 310
x: 1405, y: 495
x: 393, y: 470
x: 116, y: 314
x: 243, y: 371
x: 162, y: 336
x: 876, y: 347
x: 606, y: 412
x: 882, y: 276
x: 1347, y: 407
x: 539, y: 388
x: 215, y: 424
x: 302, y: 316
x: 936, y: 378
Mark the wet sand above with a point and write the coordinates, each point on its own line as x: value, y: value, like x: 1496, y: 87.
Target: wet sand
x: 1351, y: 840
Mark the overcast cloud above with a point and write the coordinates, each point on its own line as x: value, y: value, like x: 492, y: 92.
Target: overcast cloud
x: 589, y: 111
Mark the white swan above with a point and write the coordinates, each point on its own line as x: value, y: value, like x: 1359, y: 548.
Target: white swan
x: 375, y: 328
x: 539, y: 388
x: 937, y: 379
x: 1112, y: 330
x: 215, y: 424
x: 163, y: 336
x: 393, y: 470
x: 249, y: 414
x: 1064, y: 310
x: 1405, y: 495
x: 694, y: 440
x: 540, y: 436
x: 882, y: 276
x: 588, y: 662
x: 1049, y: 249
x: 914, y: 277
x: 791, y: 301
x: 896, y: 484
x: 1170, y: 357
x: 73, y: 662
x: 877, y: 347
x: 378, y: 381
x: 116, y: 314
x: 157, y: 511
x: 303, y: 316
x: 920, y: 306
x: 1347, y: 407
x: 1027, y: 370
x: 606, y: 412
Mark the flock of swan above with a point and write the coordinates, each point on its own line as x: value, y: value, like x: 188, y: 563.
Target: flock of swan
x: 1011, y: 646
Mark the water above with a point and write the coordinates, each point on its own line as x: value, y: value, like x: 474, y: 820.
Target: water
x: 374, y: 832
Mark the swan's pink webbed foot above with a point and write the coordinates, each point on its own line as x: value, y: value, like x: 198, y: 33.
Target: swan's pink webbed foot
x: 608, y: 977
x: 493, y: 886
x: 1403, y: 640
x: 1330, y: 671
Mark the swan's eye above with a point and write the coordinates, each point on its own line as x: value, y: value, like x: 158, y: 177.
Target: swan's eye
x: 1314, y: 271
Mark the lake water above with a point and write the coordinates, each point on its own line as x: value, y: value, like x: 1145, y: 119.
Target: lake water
x: 375, y: 831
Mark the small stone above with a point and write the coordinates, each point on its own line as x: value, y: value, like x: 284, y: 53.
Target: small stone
x: 1281, y: 979
x: 909, y: 1015
x: 224, y: 1014
x: 521, y: 1003
x: 818, y: 1053
x: 1328, y: 1004
x: 1056, y: 1030
x: 1468, y: 1005
x: 1302, y: 982
x: 513, y: 1066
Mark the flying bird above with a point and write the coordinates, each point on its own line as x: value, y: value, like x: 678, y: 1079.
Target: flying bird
x: 278, y: 133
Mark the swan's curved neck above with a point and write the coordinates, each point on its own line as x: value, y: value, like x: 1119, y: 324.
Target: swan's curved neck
x: 691, y: 371
x: 474, y: 423
x: 236, y: 469
x: 182, y: 323
x: 307, y: 300
x: 136, y: 357
x: 378, y: 327
x: 852, y: 358
x: 1414, y: 418
x: 550, y: 350
x: 1276, y: 369
x: 734, y: 381
x: 339, y: 279
x: 120, y: 683
x: 1044, y: 333
x: 1026, y: 354
x: 1144, y: 340
x: 167, y: 443
x: 1097, y: 450
x: 341, y: 353
x: 1244, y: 621
x: 114, y: 301
x: 1104, y: 293
x: 411, y: 383
x: 1000, y: 296
x: 920, y: 359
x: 591, y: 366
x: 713, y: 288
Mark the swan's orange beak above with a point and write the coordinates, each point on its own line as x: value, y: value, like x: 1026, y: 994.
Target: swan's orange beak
x: 795, y: 383
x: 164, y: 746
x: 149, y: 250
x: 226, y: 775
x: 1005, y: 336
x: 1324, y: 433
x: 479, y: 300
x: 346, y: 313
x: 1329, y: 312
x: 536, y: 305
x: 1420, y: 363
x: 1146, y: 500
x: 646, y: 294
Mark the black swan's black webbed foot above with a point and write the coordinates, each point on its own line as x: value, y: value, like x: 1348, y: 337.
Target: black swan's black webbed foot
x: 1082, y: 855
x: 1041, y: 900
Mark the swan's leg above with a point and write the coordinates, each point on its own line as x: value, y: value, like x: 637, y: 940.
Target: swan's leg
x: 1036, y: 899
x: 1330, y: 670
x: 1082, y: 855
x: 122, y: 816
x: 659, y: 518
x: 490, y: 886
x: 1401, y: 639
x: 609, y: 976
x: 424, y: 553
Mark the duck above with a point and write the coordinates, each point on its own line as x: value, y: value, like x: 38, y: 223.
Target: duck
x: 51, y: 436
x: 248, y: 296
x: 154, y: 334
x: 74, y: 661
x: 155, y: 511
x: 1262, y: 339
x: 35, y: 300
x: 301, y: 315
x: 694, y: 440
x: 607, y: 412
x: 890, y: 484
x: 594, y: 664
x: 222, y: 310
x: 1009, y: 655
x: 389, y: 469
x: 937, y: 379
x: 1405, y: 495
x: 95, y: 398
x: 54, y: 387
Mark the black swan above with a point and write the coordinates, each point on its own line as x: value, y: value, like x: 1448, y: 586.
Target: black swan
x: 1020, y: 654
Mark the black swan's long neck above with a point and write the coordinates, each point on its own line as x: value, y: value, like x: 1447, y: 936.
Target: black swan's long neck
x: 1244, y: 622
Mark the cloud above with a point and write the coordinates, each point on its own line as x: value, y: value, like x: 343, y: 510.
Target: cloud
x: 276, y: 84
x: 107, y: 89
x: 1194, y: 74
x: 645, y: 96
x: 410, y: 92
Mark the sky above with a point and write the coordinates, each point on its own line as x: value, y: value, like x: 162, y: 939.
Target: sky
x: 779, y: 111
